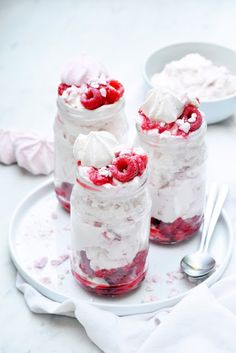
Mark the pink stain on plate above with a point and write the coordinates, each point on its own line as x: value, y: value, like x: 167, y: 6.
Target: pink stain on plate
x: 41, y: 263
x: 60, y: 260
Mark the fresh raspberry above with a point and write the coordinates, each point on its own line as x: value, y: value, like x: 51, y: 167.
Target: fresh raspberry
x: 124, y: 168
x: 99, y: 179
x: 61, y: 88
x: 141, y: 161
x: 115, y: 91
x: 92, y: 98
x: 118, y: 86
x: 187, y: 113
x: 147, y: 124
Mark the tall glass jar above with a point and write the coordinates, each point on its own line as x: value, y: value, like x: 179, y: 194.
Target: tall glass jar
x: 177, y: 183
x: 110, y: 235
x: 71, y: 122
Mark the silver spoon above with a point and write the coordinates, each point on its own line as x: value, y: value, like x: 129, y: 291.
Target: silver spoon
x: 201, y: 263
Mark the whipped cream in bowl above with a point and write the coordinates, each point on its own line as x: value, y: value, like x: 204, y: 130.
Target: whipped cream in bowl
x: 110, y: 215
x: 177, y: 154
x: 205, y: 70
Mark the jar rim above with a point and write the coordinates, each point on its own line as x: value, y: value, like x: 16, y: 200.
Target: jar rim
x: 162, y: 140
x: 117, y: 191
x: 86, y: 115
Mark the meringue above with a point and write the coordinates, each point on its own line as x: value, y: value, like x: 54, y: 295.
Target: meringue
x: 95, y: 149
x: 82, y: 70
x: 7, y: 150
x: 34, y: 154
x: 162, y: 105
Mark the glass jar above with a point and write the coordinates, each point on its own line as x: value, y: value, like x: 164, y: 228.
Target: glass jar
x: 71, y: 122
x: 110, y: 236
x: 177, y: 183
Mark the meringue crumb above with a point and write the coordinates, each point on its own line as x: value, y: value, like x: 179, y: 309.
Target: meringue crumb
x: 185, y: 127
x: 103, y: 92
x: 179, y: 122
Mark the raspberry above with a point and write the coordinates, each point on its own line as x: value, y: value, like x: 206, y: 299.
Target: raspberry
x: 92, y: 98
x: 99, y: 179
x: 115, y: 91
x: 147, y: 124
x: 124, y: 168
x: 187, y: 113
x: 61, y: 88
x: 118, y: 86
x: 170, y: 233
x: 141, y: 161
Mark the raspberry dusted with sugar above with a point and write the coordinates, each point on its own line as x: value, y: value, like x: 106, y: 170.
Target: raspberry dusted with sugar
x: 193, y: 116
x: 91, y: 98
x: 114, y: 91
x: 61, y: 88
x: 124, y: 168
x: 100, y: 176
x: 141, y: 160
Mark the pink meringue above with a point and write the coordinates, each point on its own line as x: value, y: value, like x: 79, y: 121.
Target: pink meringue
x: 34, y: 154
x: 82, y: 70
x: 7, y: 150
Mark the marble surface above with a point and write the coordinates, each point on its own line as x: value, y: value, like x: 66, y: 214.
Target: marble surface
x: 36, y: 37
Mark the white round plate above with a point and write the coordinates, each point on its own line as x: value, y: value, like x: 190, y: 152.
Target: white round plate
x: 40, y: 237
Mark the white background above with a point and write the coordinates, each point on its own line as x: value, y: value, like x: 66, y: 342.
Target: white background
x: 36, y: 38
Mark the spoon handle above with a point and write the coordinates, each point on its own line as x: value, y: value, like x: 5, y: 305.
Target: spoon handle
x: 208, y: 212
x: 224, y: 189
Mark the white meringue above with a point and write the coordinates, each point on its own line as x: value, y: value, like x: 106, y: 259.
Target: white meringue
x: 82, y: 70
x: 34, y: 154
x: 162, y: 105
x: 7, y: 149
x: 95, y: 149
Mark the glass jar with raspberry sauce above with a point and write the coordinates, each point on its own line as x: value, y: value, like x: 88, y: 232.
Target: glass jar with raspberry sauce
x: 68, y: 124
x: 110, y: 235
x: 177, y: 179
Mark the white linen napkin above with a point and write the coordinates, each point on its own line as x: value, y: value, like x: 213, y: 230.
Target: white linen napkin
x: 203, y: 322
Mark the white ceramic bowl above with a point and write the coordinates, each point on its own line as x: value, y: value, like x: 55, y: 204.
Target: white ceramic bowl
x: 215, y: 110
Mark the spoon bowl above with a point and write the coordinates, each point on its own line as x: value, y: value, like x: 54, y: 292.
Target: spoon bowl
x: 198, y: 264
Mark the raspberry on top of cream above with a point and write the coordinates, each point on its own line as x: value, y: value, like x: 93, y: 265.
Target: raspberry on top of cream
x: 164, y: 112
x: 85, y: 84
x: 101, y: 160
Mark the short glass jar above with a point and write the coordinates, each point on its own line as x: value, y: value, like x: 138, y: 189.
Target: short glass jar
x: 110, y: 236
x: 69, y: 123
x: 177, y: 182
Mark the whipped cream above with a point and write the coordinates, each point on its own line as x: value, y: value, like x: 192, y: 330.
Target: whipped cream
x: 162, y: 105
x: 95, y: 149
x: 198, y: 76
x: 82, y: 70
